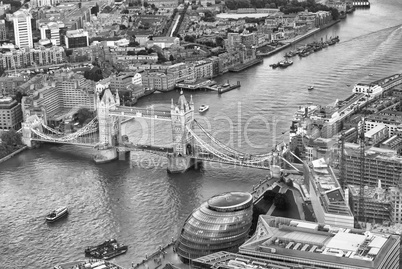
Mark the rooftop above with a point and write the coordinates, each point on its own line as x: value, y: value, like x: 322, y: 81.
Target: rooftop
x: 230, y: 201
x: 309, y: 240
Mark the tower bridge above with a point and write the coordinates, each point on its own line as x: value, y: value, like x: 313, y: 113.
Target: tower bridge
x: 191, y: 142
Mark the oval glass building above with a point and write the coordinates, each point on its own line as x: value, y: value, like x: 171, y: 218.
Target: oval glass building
x: 220, y: 224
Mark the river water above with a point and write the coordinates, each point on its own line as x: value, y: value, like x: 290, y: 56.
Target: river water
x: 143, y: 206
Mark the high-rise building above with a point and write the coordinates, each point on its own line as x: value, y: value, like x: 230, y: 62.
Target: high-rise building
x: 289, y: 243
x: 3, y: 30
x: 10, y: 114
x: 22, y: 28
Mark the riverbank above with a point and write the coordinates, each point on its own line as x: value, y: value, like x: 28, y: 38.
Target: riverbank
x: 12, y: 154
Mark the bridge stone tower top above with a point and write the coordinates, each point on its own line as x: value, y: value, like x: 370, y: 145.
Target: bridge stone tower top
x: 182, y: 115
x: 106, y: 124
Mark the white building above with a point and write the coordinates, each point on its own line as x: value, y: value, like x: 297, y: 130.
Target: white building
x: 368, y: 89
x: 22, y: 28
x: 51, y: 31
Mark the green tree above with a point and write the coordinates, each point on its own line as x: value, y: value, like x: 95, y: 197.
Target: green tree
x: 11, y: 138
x: 83, y: 115
x: 171, y: 58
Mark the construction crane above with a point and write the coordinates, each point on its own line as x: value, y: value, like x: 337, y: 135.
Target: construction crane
x: 362, y: 143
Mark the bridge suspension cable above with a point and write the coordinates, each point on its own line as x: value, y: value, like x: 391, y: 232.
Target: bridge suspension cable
x: 91, y: 127
x: 228, y: 158
x: 51, y: 129
x: 217, y: 141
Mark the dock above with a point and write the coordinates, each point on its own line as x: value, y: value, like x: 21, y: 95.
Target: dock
x: 227, y: 87
x: 196, y: 85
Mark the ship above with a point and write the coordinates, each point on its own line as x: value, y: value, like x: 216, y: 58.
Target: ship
x: 107, y: 250
x: 285, y: 63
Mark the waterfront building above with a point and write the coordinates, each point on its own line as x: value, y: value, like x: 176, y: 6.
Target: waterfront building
x: 327, y: 198
x: 76, y: 39
x: 378, y: 204
x: 122, y: 81
x: 180, y: 71
x: 158, y: 81
x: 10, y: 114
x: 22, y: 28
x: 51, y: 31
x: 288, y: 243
x: 220, y: 224
x: 203, y: 69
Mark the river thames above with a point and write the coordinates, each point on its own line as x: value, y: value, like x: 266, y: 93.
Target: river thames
x: 143, y: 206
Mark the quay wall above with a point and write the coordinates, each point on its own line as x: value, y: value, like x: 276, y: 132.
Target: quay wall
x: 9, y: 156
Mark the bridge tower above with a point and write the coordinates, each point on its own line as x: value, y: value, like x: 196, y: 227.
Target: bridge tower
x: 182, y: 116
x: 108, y: 130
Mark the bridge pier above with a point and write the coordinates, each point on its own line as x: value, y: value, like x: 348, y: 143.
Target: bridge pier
x: 180, y: 164
x: 105, y: 155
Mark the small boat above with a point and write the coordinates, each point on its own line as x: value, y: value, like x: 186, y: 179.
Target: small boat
x: 57, y: 214
x: 203, y: 108
x: 285, y: 63
x: 310, y: 88
x: 107, y: 250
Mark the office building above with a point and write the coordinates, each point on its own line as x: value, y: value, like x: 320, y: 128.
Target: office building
x: 288, y: 243
x: 22, y: 28
x: 221, y: 223
x: 51, y: 31
x: 76, y: 39
x: 377, y: 206
x: 327, y: 198
x: 10, y: 114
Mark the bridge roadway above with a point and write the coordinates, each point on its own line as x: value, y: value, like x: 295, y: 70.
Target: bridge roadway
x: 88, y: 145
x: 146, y: 148
x: 136, y: 112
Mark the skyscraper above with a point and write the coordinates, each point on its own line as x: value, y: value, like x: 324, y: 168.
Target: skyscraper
x: 22, y: 28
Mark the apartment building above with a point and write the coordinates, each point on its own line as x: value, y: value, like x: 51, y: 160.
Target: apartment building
x: 10, y: 114
x: 3, y: 30
x: 8, y: 85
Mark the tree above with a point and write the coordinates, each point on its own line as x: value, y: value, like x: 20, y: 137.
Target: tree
x: 82, y: 115
x: 281, y: 201
x: 11, y: 138
x: 171, y: 58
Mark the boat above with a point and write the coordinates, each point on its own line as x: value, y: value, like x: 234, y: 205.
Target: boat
x: 93, y: 263
x: 57, y: 214
x: 203, y: 108
x: 285, y: 63
x: 310, y: 87
x: 107, y: 250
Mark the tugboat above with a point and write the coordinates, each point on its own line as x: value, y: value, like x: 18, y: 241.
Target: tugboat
x: 107, y: 250
x: 285, y: 63
x: 57, y: 214
x: 204, y: 108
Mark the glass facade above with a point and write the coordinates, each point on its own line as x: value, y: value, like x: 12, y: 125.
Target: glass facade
x: 220, y: 224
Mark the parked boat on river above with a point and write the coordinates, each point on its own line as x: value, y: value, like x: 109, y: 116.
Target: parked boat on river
x: 107, y: 250
x: 57, y: 214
